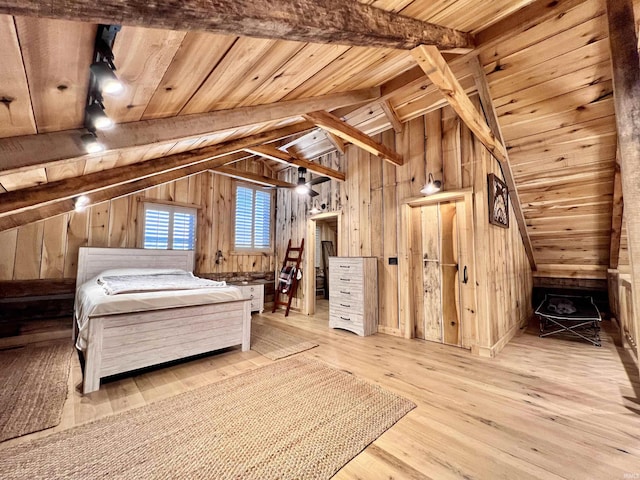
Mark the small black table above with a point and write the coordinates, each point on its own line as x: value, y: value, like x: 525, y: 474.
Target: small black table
x: 575, y: 315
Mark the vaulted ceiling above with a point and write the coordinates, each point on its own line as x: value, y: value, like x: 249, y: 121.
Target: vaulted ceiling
x: 547, y: 66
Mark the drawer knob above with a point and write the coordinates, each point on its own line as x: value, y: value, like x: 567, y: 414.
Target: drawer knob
x: 347, y: 319
x: 345, y: 266
x: 345, y: 293
x: 345, y: 279
x: 343, y: 305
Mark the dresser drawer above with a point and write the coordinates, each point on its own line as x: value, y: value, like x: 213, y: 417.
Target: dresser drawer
x: 347, y: 300
x: 346, y: 266
x: 345, y: 280
x: 350, y: 318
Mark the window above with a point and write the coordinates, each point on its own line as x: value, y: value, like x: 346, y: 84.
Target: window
x: 253, y: 218
x: 169, y: 227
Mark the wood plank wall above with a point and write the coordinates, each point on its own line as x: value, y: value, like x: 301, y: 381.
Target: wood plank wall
x: 49, y: 249
x: 369, y: 201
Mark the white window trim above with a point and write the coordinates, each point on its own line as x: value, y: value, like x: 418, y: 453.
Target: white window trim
x: 248, y: 250
x: 172, y: 209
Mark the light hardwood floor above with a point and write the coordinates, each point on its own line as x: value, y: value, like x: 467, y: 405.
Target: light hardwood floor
x: 544, y: 408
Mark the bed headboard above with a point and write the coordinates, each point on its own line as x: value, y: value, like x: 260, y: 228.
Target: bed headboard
x: 92, y: 260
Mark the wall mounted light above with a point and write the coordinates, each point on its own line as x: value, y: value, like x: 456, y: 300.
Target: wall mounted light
x: 80, y: 203
x: 315, y: 210
x: 432, y: 186
x: 302, y: 188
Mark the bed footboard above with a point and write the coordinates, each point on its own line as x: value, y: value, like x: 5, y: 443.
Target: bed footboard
x: 125, y: 342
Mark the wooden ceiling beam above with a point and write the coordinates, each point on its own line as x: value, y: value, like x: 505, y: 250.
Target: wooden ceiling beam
x: 392, y: 116
x: 436, y: 68
x: 518, y: 22
x: 273, y: 153
x: 492, y: 120
x: 252, y: 177
x: 336, y: 141
x: 67, y: 204
x: 48, y: 149
x: 616, y: 216
x: 626, y: 92
x: 333, y: 124
x: 31, y: 197
x: 345, y: 22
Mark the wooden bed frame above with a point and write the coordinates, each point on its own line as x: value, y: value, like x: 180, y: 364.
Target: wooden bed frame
x: 124, y: 342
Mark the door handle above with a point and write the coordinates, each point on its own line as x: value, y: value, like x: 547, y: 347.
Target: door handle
x: 465, y: 277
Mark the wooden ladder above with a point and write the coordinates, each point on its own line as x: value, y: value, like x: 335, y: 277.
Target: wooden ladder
x: 293, y: 261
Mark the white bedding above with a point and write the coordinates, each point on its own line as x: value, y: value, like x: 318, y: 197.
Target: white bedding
x: 152, y: 282
x: 92, y: 300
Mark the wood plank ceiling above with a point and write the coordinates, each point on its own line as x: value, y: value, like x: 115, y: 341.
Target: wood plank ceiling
x: 550, y: 82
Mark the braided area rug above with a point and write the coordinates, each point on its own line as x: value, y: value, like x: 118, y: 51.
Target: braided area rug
x: 293, y: 419
x: 33, y: 387
x: 275, y: 343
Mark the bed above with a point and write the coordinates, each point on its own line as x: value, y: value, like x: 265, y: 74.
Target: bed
x: 128, y: 331
x: 573, y: 315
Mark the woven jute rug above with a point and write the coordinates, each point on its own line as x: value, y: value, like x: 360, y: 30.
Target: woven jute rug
x: 274, y: 343
x: 33, y: 387
x: 294, y: 419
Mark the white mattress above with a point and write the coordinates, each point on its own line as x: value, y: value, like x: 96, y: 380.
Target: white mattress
x: 91, y: 300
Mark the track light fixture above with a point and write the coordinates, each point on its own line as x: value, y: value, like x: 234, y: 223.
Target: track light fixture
x: 91, y: 143
x: 107, y: 82
x: 102, y: 80
x: 432, y: 186
x: 96, y: 119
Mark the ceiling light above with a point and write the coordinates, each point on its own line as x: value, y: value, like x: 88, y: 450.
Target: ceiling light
x: 432, y: 186
x: 106, y: 79
x: 96, y: 119
x: 91, y: 143
x: 80, y: 203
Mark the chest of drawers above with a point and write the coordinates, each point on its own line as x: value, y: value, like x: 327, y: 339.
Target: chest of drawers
x: 254, y: 291
x: 353, y: 294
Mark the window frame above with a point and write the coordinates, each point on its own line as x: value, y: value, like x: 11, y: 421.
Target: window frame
x: 172, y: 208
x: 249, y: 250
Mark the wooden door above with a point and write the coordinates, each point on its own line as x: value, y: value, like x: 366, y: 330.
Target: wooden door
x: 440, y: 225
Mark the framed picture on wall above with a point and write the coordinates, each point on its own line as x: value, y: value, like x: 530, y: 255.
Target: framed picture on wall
x: 498, y: 202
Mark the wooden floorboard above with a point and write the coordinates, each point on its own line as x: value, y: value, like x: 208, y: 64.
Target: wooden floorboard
x: 544, y: 408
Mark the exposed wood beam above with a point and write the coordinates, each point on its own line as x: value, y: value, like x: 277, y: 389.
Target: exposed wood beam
x: 26, y: 152
x: 54, y: 191
x: 492, y: 119
x: 346, y: 22
x: 273, y: 153
x: 253, y: 177
x: 336, y: 141
x: 518, y: 22
x: 436, y: 68
x: 392, y: 116
x: 67, y: 204
x: 351, y: 134
x: 626, y: 92
x: 616, y: 216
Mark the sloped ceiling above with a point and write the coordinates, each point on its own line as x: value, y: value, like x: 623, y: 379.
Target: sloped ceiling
x: 550, y: 82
